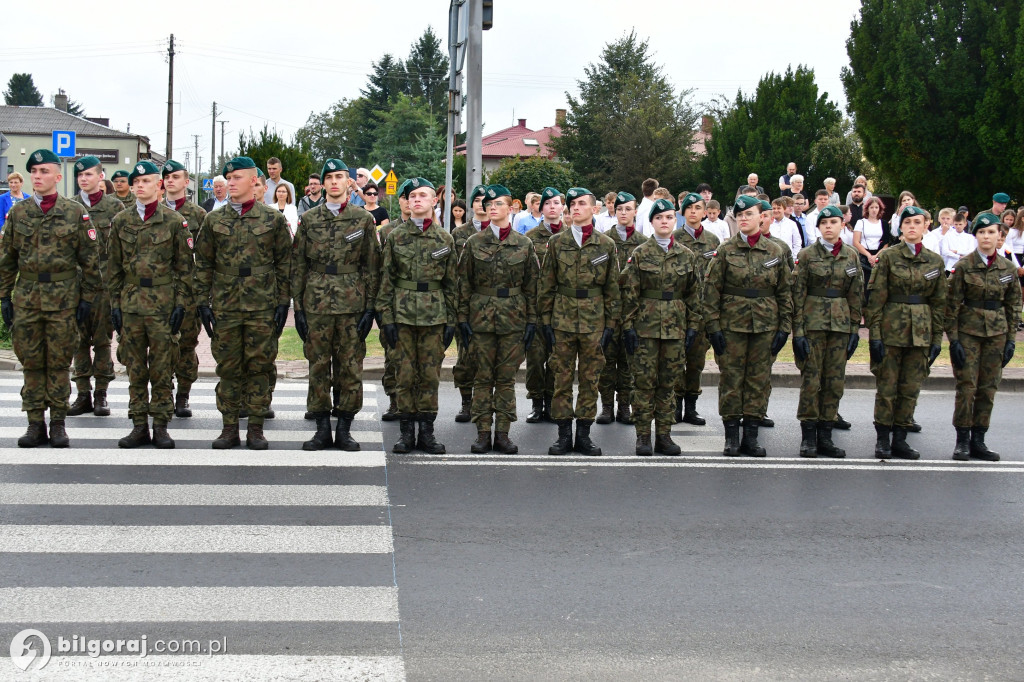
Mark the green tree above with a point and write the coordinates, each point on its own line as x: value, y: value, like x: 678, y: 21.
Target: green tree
x: 427, y: 70
x: 297, y: 164
x: 628, y: 123
x: 409, y: 136
x: 838, y: 153
x: 933, y: 87
x: 532, y: 174
x: 21, y: 91
x: 338, y: 132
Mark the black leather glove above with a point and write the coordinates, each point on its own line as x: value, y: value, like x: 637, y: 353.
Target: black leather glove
x: 1008, y: 350
x: 301, y: 325
x: 528, y: 334
x: 549, y: 335
x: 449, y: 335
x: 877, y: 350
x: 465, y: 331
x: 778, y: 342
x: 957, y: 355
x: 176, y: 318
x: 7, y: 310
x: 116, y: 321
x: 801, y: 348
x: 207, y: 318
x: 689, y: 339
x: 82, y: 313
x: 606, y: 337
x: 717, y: 340
x: 630, y: 340
x: 933, y: 352
x: 851, y: 345
x: 390, y: 332
x: 365, y: 324
x: 280, y: 317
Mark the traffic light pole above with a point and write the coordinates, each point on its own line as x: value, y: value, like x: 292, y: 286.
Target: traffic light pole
x: 474, y: 96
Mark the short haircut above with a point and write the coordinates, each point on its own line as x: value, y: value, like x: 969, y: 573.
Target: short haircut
x: 790, y: 201
x: 532, y: 197
x: 714, y: 205
x: 746, y: 189
x: 829, y: 181
x: 844, y: 209
x: 822, y: 193
x: 763, y: 197
x: 274, y: 161
x: 610, y: 196
x: 648, y: 186
x: 780, y: 202
x: 220, y: 178
x: 859, y: 184
x: 703, y: 187
x: 960, y: 218
x: 314, y: 176
x: 927, y: 215
x: 15, y: 176
x: 947, y: 211
x: 796, y: 177
x: 662, y: 193
x: 371, y: 185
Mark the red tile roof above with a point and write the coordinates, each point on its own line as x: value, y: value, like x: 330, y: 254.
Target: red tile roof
x: 510, y: 142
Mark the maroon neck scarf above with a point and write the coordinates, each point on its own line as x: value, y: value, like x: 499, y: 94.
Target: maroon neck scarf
x: 753, y: 239
x: 587, y: 231
x: 837, y: 247
x: 247, y: 206
x: 991, y: 259
x: 698, y: 232
x: 48, y: 202
x: 427, y: 223
x: 150, y: 211
x: 176, y: 204
x: 555, y: 227
x: 503, y: 233
x: 95, y: 198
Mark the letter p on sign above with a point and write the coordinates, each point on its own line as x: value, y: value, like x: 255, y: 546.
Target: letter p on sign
x: 64, y: 143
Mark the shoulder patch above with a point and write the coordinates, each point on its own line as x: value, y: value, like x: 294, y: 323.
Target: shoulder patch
x: 92, y: 233
x: 440, y: 253
x: 932, y: 274
x: 709, y: 254
x: 184, y: 223
x: 772, y: 263
x: 599, y: 259
x: 189, y: 242
x: 85, y: 216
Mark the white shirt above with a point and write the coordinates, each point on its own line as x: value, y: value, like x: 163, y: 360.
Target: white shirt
x: 291, y: 214
x: 847, y: 236
x: 269, y: 198
x: 604, y: 222
x: 787, y: 231
x: 870, y: 233
x: 643, y: 219
x: 894, y: 224
x: 933, y: 239
x: 955, y: 245
x: 811, y: 233
x: 719, y: 228
x: 1015, y: 240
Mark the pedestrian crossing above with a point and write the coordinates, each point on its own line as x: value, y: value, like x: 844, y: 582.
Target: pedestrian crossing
x: 283, y: 556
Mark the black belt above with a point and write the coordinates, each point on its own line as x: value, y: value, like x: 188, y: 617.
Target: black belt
x: 912, y: 299
x: 47, y: 276
x: 658, y: 295
x: 148, y: 281
x: 986, y: 305
x: 500, y: 292
x: 826, y: 293
x: 748, y: 293
x: 409, y: 285
x: 579, y: 293
x: 333, y: 268
x: 247, y: 271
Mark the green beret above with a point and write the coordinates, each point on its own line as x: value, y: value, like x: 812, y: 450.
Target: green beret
x: 478, y: 191
x: 332, y: 166
x: 909, y: 211
x: 985, y: 220
x: 259, y: 173
x: 142, y: 168
x: 744, y: 202
x: 765, y: 205
x: 41, y: 156
x: 548, y: 193
x: 660, y: 206
x: 172, y: 166
x: 495, y: 191
x: 120, y: 174
x: 401, y: 189
x: 577, y: 192
x: 1001, y: 198
x: 623, y: 198
x: 689, y: 200
x: 416, y: 183
x: 829, y: 212
x: 85, y: 163
x: 237, y: 163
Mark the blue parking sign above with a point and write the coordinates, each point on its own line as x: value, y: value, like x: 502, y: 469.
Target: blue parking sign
x: 64, y: 142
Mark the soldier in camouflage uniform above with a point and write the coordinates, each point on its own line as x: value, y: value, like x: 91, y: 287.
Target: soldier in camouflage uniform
x: 93, y: 358
x: 617, y: 375
x: 660, y: 318
x: 828, y: 290
x: 122, y: 189
x: 579, y: 305
x: 418, y: 310
x: 49, y: 274
x: 748, y: 309
x: 906, y: 304
x: 186, y: 369
x: 982, y: 309
x: 703, y: 244
x: 497, y: 302
x: 540, y: 382
x: 389, y: 380
x: 465, y: 365
x: 150, y: 270
x: 335, y: 272
x: 242, y: 276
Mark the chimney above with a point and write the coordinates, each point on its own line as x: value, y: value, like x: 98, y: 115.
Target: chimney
x: 706, y: 123
x: 559, y: 117
x: 60, y: 100
x: 522, y: 123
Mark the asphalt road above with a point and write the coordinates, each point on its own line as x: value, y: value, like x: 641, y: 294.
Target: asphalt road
x: 340, y: 566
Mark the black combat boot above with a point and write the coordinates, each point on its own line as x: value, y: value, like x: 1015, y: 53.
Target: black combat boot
x: 643, y: 445
x: 100, y: 407
x: 182, y: 409
x: 82, y: 404
x: 322, y: 438
x: 391, y: 414
x: 690, y: 415
x: 243, y: 413
x: 732, y: 438
x: 503, y: 444
x: 826, y: 448
x: 58, y: 436
x: 978, y: 448
x: 664, y: 445
x: 547, y: 408
x: 808, y: 439
x: 162, y: 439
x: 466, y: 413
x: 482, y: 444
x: 336, y: 392
x: 607, y: 414
x: 343, y: 439
x: 883, y: 450
x: 562, y: 446
x: 914, y: 426
x: 254, y: 438
x: 34, y: 436
x: 679, y: 409
x: 842, y: 424
x: 582, y: 443
x: 767, y: 422
x: 407, y: 438
x: 749, y: 446
x: 900, y: 448
x: 537, y: 415
x: 624, y: 415
x: 269, y: 413
x: 228, y: 438
x: 962, y: 451
x: 426, y: 441
x: 310, y: 416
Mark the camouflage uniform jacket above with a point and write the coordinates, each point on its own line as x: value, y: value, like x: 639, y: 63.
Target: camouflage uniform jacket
x: 488, y: 265
x: 624, y: 247
x: 982, y: 300
x: 592, y: 269
x: 540, y: 236
x: 386, y: 230
x: 101, y: 215
x: 899, y: 273
x: 786, y: 249
x: 157, y: 250
x: 335, y: 261
x: 194, y: 215
x: 55, y: 243
x: 258, y: 243
x: 703, y: 248
x: 763, y: 272
x: 128, y: 200
x: 661, y: 291
x: 462, y: 233
x: 828, y: 291
x: 418, y: 277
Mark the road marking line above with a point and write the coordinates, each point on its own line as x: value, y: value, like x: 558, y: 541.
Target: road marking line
x: 368, y: 414
x: 80, y: 455
x: 684, y: 464
x: 193, y: 495
x: 120, y: 399
x: 185, y: 433
x: 282, y: 386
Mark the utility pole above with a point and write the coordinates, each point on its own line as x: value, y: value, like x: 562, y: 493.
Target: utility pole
x: 170, y: 96
x: 198, y: 183
x: 474, y: 103
x: 213, y: 142
x: 222, y: 137
x: 457, y: 23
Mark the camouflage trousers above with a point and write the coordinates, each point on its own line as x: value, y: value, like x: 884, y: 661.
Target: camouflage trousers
x: 570, y: 346
x: 746, y: 375
x: 418, y: 359
x: 617, y: 376
x: 823, y: 376
x: 977, y: 382
x: 150, y: 355
x: 465, y: 366
x: 540, y: 382
x: 898, y: 380
x: 92, y: 357
x: 335, y: 353
x: 688, y: 380
x: 44, y: 342
x: 657, y: 363
x: 186, y: 370
x: 497, y: 357
x: 244, y: 345
x: 389, y: 379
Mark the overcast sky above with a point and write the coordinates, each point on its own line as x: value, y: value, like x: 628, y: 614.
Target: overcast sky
x: 282, y: 61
